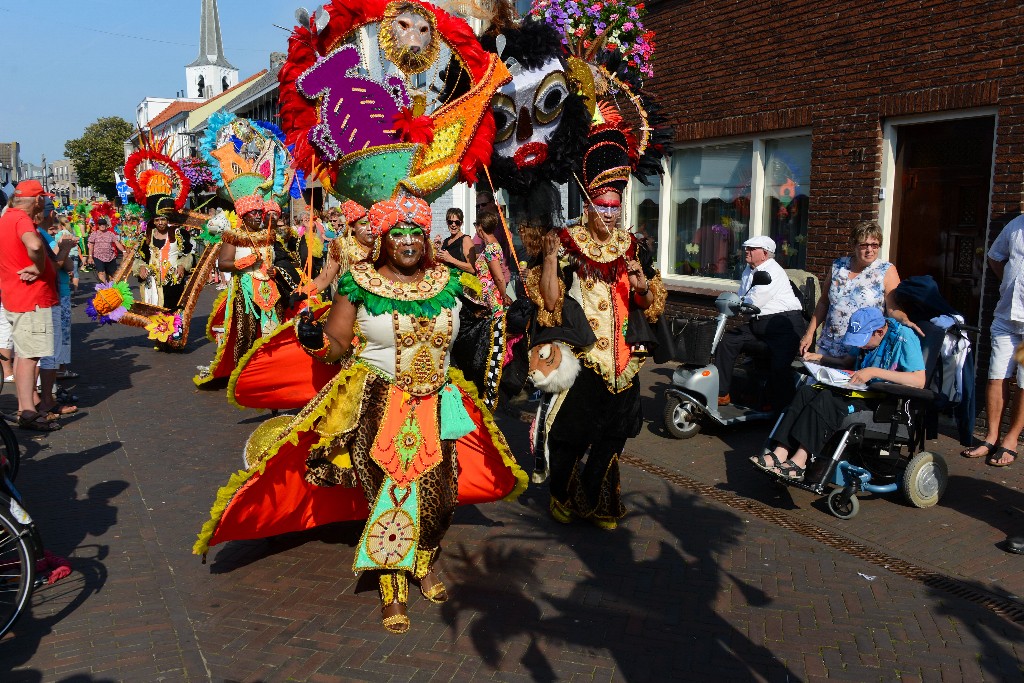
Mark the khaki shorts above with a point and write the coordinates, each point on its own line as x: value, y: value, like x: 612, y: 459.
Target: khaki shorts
x: 33, y: 332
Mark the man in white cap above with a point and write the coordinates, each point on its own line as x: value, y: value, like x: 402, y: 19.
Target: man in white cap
x: 779, y: 325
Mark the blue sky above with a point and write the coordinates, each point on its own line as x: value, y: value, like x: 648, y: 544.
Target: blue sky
x: 69, y: 62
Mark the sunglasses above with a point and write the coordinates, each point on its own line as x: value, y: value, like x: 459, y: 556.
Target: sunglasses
x: 451, y: 222
x: 869, y: 245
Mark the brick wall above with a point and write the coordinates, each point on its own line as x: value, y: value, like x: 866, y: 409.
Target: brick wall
x: 726, y: 68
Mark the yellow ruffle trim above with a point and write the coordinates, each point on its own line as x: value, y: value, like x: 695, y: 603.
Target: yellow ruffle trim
x: 343, y: 395
x: 198, y: 380
x: 209, y: 322
x: 657, y: 307
x: 467, y: 387
x: 244, y: 360
x: 545, y: 318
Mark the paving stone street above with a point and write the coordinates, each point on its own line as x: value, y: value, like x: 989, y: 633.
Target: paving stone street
x: 690, y: 587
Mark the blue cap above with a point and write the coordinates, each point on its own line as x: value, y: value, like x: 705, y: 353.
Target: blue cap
x: 862, y: 325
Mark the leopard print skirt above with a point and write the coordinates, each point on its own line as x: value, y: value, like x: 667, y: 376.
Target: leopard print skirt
x: 438, y: 488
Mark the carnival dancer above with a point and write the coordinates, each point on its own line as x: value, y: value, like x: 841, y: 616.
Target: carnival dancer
x: 165, y: 256
x: 252, y: 303
x: 396, y: 427
x: 601, y: 268
x: 251, y: 166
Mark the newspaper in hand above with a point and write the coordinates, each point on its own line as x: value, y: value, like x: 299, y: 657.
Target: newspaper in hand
x: 836, y: 377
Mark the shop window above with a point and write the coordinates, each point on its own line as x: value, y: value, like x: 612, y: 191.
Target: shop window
x: 787, y: 188
x: 709, y: 210
x: 646, y: 208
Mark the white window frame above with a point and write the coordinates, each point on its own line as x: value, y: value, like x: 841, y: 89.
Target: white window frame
x: 756, y: 226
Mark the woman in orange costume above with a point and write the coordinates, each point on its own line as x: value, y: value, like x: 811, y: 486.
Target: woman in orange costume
x: 397, y: 433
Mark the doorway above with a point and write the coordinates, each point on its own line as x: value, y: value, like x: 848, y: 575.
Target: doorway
x: 942, y: 185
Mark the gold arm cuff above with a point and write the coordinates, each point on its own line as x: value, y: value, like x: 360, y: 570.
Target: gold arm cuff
x: 657, y: 307
x: 545, y: 317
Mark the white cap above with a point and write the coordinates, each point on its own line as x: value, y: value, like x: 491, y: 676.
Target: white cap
x: 761, y: 242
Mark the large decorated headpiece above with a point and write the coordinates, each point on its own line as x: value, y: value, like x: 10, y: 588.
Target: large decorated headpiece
x: 249, y: 162
x: 388, y: 97
x: 606, y: 162
x: 155, y: 178
x: 353, y: 211
x: 389, y: 213
x: 103, y: 210
x: 541, y: 119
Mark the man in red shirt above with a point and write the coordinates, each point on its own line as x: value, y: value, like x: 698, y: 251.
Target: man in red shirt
x: 28, y: 281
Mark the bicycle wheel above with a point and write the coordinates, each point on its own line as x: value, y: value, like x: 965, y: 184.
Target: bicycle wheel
x: 17, y: 567
x: 11, y: 451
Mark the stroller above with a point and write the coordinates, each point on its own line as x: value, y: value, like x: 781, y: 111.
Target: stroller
x: 882, y: 450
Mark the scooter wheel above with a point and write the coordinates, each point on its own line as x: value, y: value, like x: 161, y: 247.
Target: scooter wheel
x: 840, y: 508
x: 680, y: 418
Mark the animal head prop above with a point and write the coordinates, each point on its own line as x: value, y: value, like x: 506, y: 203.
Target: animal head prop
x: 540, y: 118
x: 382, y: 98
x: 154, y: 177
x: 553, y: 367
x: 249, y: 162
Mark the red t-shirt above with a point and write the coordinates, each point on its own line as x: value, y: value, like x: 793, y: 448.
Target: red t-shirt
x: 18, y: 296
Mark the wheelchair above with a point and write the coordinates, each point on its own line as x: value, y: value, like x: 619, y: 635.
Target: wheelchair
x: 880, y: 450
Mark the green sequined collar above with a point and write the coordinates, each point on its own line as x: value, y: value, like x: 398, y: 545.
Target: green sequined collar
x: 363, y: 285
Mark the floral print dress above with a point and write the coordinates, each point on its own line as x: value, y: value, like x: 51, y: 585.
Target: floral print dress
x: 846, y: 296
x: 491, y: 297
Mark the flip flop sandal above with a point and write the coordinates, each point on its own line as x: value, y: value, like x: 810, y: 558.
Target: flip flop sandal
x: 790, y: 471
x: 767, y: 461
x: 38, y: 423
x: 989, y: 448
x: 997, y: 454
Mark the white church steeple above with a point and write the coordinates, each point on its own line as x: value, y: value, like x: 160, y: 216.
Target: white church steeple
x: 211, y: 73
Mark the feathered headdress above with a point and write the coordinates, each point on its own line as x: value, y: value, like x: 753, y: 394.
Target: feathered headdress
x: 103, y: 210
x: 152, y: 175
x: 248, y: 161
x: 374, y: 119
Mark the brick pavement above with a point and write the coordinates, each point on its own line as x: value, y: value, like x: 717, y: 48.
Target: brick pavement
x: 686, y: 588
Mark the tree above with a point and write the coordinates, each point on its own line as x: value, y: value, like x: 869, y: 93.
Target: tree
x: 99, y: 153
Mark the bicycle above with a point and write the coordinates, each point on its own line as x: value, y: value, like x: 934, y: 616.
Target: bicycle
x: 21, y: 546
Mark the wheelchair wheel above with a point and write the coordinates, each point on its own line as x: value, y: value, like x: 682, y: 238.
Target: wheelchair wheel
x: 17, y: 568
x: 681, y: 418
x: 924, y: 480
x: 840, y: 508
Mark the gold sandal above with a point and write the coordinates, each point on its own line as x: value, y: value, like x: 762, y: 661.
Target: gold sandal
x: 434, y: 589
x: 394, y: 595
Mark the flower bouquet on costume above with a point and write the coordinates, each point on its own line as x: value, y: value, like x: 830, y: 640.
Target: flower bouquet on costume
x: 111, y: 303
x: 611, y: 24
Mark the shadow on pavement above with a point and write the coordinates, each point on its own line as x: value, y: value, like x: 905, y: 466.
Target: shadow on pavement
x: 993, y: 658
x: 988, y: 502
x: 654, y: 612
x: 237, y: 554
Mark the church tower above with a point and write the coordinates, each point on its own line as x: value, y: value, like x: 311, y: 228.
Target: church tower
x: 211, y: 73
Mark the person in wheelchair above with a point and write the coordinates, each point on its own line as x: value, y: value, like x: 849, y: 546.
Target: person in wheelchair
x: 884, y: 350
x: 779, y: 324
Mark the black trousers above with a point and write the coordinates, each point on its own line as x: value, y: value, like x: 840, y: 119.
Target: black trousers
x: 781, y: 332
x: 813, y: 417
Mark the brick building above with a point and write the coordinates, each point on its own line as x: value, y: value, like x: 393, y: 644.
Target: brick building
x: 799, y: 119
